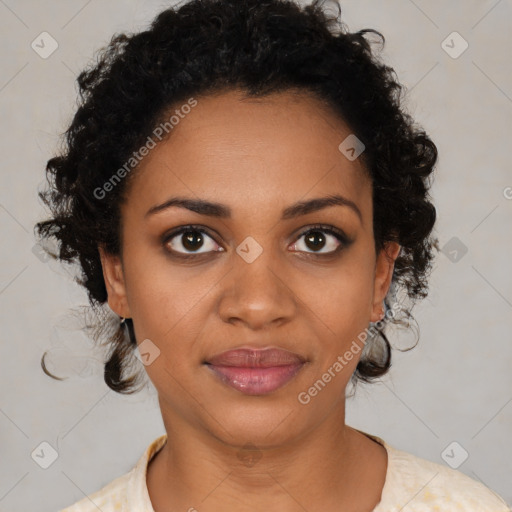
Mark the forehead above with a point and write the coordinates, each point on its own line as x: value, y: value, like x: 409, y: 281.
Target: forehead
x: 239, y: 150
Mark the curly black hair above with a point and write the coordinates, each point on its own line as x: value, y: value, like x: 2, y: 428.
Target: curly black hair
x: 261, y: 47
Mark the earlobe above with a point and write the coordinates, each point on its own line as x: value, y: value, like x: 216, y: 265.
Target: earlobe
x: 383, y: 276
x: 114, y: 282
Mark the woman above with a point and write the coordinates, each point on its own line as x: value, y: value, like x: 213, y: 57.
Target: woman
x: 243, y: 189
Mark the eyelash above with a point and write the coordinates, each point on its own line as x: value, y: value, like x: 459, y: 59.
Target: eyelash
x: 344, y: 240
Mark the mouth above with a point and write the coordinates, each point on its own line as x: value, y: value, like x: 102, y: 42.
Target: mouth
x: 256, y: 371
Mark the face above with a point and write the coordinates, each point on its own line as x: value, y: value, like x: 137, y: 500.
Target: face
x: 229, y: 242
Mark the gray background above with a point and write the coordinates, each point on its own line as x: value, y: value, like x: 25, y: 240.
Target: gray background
x: 456, y: 385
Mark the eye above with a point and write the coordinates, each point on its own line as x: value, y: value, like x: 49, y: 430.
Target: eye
x: 321, y: 240
x: 190, y: 240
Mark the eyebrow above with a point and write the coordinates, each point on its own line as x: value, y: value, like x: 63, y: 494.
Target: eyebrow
x: 212, y: 209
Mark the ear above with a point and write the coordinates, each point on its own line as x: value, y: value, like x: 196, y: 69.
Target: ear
x: 114, y: 282
x: 384, y: 267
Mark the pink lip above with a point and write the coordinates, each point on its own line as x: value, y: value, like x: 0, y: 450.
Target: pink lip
x: 256, y: 371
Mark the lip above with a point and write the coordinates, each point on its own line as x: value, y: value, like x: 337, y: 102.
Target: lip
x: 256, y: 371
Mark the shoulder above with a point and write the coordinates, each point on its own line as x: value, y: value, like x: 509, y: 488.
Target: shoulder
x: 423, y: 485
x: 107, y: 499
x: 126, y: 492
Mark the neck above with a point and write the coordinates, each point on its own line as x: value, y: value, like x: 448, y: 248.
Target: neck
x: 322, y: 469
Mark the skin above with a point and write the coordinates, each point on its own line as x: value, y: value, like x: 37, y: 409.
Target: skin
x: 258, y: 157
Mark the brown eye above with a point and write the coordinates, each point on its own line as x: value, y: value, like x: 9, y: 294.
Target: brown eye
x: 316, y: 239
x: 190, y: 241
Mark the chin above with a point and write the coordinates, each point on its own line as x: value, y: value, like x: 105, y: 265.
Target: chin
x: 258, y: 420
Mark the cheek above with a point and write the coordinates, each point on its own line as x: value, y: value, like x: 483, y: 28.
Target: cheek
x: 167, y: 306
x: 343, y: 300
x: 341, y: 310
x: 174, y: 306
x: 164, y: 298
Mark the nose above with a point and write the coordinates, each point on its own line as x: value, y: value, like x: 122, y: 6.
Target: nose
x: 257, y: 294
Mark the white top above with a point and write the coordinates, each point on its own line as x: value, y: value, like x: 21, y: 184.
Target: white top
x: 412, y: 485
